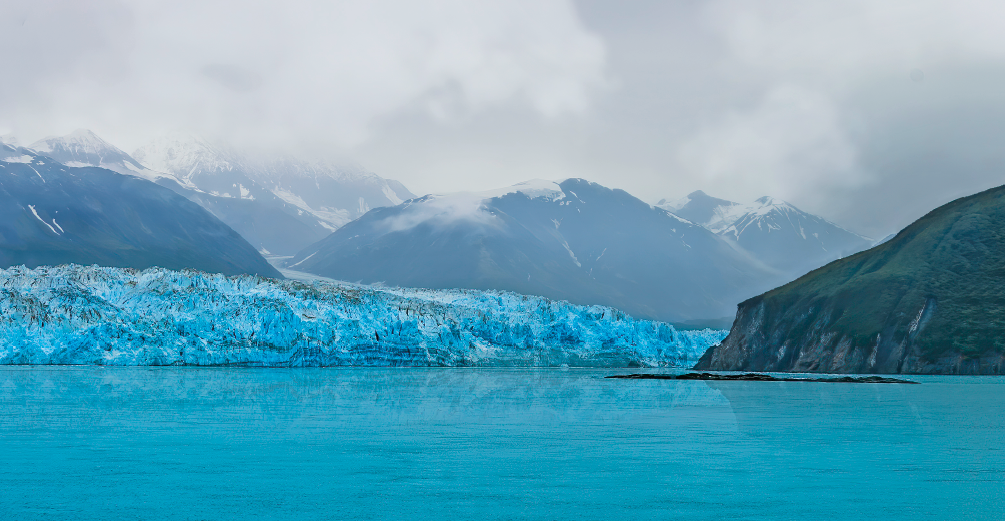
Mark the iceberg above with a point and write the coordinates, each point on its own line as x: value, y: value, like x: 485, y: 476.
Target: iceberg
x: 91, y: 315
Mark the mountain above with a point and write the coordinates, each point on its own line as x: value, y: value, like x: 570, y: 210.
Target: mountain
x: 54, y: 214
x: 571, y: 240
x: 84, y: 148
x: 332, y: 194
x: 264, y: 220
x: 336, y: 193
x: 930, y: 300
x: 108, y: 316
x: 704, y: 210
x: 774, y: 231
x: 280, y: 205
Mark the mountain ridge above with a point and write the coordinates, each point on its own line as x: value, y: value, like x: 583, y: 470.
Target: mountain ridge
x: 772, y: 230
x: 573, y: 240
x: 262, y: 199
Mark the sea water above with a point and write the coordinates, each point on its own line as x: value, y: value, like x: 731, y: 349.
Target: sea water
x: 224, y: 443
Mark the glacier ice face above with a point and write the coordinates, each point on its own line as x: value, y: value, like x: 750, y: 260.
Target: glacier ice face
x: 112, y: 316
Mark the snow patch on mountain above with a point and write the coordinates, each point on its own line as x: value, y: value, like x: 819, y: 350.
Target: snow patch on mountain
x: 16, y: 158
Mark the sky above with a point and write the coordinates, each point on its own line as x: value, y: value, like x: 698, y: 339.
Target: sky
x: 868, y: 113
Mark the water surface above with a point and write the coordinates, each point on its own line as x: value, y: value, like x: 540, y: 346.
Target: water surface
x: 212, y: 443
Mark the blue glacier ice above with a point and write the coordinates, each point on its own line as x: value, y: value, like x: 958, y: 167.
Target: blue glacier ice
x: 94, y: 315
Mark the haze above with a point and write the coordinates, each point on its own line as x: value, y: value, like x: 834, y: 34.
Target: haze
x: 868, y: 113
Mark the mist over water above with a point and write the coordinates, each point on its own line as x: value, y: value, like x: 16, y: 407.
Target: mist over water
x: 183, y: 443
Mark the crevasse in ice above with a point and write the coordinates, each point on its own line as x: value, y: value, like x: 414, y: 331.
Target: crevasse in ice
x: 112, y: 316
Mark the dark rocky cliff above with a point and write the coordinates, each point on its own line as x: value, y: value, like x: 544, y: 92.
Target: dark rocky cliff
x: 931, y: 300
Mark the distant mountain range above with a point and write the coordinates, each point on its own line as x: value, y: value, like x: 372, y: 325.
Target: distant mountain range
x: 54, y: 214
x: 688, y: 261
x: 571, y: 240
x: 773, y: 231
x: 280, y: 205
x: 929, y: 300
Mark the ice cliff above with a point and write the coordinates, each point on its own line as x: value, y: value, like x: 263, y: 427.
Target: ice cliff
x: 111, y: 316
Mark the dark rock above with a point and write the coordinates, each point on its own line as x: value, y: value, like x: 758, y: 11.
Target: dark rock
x: 760, y: 377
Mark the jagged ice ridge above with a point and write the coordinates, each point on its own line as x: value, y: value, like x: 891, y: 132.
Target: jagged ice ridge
x: 112, y: 316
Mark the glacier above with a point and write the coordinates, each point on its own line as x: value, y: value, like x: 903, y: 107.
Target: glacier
x: 91, y: 315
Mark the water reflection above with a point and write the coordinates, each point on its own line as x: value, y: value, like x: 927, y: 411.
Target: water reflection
x: 190, y: 394
x: 183, y: 443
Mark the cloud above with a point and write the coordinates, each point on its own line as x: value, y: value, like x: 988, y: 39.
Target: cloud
x: 816, y: 102
x: 295, y: 70
x: 791, y: 141
x: 864, y: 111
x: 442, y: 211
x: 854, y: 36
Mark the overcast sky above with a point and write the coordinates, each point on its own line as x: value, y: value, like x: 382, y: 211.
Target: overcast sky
x: 869, y: 113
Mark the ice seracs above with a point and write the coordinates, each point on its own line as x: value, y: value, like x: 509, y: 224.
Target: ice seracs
x: 110, y: 316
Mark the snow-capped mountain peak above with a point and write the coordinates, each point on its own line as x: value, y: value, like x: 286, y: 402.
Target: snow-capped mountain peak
x: 279, y: 204
x: 81, y: 139
x: 336, y: 192
x: 700, y: 208
x: 84, y: 148
x: 771, y: 229
x: 184, y: 156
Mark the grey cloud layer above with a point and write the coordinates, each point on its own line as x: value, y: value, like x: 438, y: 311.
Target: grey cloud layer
x: 295, y: 70
x: 819, y: 103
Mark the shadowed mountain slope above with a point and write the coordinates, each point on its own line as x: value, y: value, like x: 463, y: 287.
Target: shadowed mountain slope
x: 53, y: 214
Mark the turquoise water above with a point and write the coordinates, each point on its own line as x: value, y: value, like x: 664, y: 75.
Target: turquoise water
x: 176, y: 443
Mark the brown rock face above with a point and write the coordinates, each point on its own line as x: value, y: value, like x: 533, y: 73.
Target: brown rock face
x: 757, y: 344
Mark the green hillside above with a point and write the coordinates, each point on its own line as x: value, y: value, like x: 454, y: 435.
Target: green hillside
x: 930, y: 300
